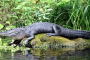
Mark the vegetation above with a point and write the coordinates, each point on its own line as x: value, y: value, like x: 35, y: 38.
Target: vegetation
x: 67, y: 13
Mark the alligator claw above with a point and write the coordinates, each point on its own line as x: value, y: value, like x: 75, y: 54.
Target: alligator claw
x: 48, y: 34
x: 52, y: 34
x: 25, y: 42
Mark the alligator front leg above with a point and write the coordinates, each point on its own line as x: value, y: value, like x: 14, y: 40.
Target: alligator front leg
x: 29, y: 39
x: 57, y: 31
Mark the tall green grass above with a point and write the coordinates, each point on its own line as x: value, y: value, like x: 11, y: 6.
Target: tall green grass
x: 80, y: 14
x: 73, y: 14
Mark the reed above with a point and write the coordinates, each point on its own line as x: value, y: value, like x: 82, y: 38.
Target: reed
x: 73, y: 14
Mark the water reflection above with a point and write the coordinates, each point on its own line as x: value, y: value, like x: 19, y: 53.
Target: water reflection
x: 57, y: 54
x: 49, y: 54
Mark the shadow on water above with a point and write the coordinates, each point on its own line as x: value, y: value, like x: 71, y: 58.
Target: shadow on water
x: 49, y: 54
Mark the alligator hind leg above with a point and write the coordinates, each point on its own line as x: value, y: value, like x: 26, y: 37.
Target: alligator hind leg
x: 56, y: 29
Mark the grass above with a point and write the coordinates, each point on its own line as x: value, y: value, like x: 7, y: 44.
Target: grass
x: 72, y: 14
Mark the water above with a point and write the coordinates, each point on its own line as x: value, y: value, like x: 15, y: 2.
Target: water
x: 48, y: 54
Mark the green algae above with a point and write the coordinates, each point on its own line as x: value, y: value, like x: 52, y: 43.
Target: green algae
x: 44, y: 41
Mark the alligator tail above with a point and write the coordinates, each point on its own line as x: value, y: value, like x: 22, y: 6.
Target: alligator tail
x: 70, y: 33
x: 85, y: 34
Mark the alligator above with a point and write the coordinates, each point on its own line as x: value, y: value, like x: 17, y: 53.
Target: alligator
x: 50, y: 29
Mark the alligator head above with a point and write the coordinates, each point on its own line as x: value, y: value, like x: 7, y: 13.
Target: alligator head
x: 16, y: 33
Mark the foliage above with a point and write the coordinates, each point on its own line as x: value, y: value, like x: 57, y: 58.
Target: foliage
x: 5, y: 47
x: 16, y: 13
x: 73, y: 13
x: 68, y: 13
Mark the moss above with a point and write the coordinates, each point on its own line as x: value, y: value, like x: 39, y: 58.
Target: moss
x: 43, y: 40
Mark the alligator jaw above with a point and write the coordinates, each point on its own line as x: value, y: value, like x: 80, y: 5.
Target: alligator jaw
x: 10, y: 33
x: 4, y: 34
x: 15, y: 33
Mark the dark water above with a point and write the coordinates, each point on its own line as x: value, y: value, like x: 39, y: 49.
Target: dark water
x: 49, y: 54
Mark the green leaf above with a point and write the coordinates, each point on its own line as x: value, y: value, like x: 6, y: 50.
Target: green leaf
x: 7, y: 0
x: 0, y: 42
x: 19, y: 7
x: 18, y: 0
x: 49, y: 9
x: 8, y: 22
x: 86, y: 8
x: 8, y: 27
x: 1, y: 26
